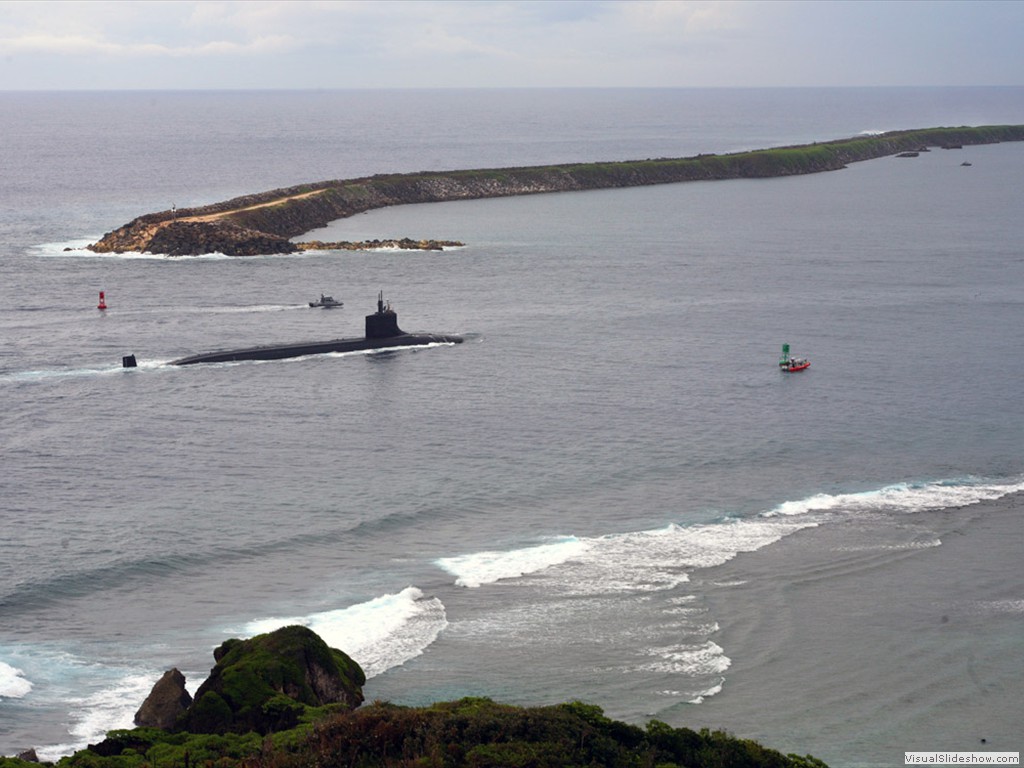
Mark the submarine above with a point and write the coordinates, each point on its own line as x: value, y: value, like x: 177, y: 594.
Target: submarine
x: 382, y: 332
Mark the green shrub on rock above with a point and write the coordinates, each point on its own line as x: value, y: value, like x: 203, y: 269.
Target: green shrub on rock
x: 265, y: 683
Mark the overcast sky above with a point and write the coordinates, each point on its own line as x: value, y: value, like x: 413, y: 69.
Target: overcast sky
x: 514, y: 43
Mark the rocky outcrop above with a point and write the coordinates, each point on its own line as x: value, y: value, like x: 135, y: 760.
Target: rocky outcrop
x: 165, y: 703
x: 190, y: 238
x: 265, y: 683
x: 266, y: 222
x: 183, y: 238
x: 405, y: 244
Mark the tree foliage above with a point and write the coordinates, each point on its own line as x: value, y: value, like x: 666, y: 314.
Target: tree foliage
x: 468, y: 733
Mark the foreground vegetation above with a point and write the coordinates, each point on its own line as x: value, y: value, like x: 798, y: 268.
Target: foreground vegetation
x: 471, y: 733
x: 285, y: 699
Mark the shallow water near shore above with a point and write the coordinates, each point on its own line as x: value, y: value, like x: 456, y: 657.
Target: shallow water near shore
x: 918, y: 618
x: 609, y: 493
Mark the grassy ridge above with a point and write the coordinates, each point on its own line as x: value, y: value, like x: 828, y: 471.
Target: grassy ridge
x: 807, y: 158
x: 355, y: 195
x: 282, y: 214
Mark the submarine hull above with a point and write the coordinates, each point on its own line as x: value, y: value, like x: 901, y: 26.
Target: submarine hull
x: 283, y: 351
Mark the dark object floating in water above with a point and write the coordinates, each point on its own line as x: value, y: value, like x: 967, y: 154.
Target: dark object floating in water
x: 789, y: 364
x: 128, y: 361
x: 964, y: 163
x: 382, y: 331
x: 327, y: 302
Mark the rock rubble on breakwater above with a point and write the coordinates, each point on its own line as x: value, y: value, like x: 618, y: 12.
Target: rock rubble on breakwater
x: 405, y: 244
x: 264, y: 223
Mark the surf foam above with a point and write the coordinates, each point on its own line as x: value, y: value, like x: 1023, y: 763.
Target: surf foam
x: 13, y: 684
x: 477, y: 569
x: 107, y: 709
x: 702, y: 659
x: 903, y: 497
x: 640, y: 561
x: 379, y: 634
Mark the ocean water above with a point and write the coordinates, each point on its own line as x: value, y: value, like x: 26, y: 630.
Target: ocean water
x: 597, y: 496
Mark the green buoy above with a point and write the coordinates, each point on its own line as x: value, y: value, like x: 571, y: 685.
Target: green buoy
x: 784, y: 361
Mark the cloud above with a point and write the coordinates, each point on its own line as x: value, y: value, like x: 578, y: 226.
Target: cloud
x: 142, y: 29
x: 680, y: 18
x: 435, y: 38
x: 503, y: 43
x: 79, y: 45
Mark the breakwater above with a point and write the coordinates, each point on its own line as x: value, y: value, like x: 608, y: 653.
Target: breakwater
x: 265, y: 222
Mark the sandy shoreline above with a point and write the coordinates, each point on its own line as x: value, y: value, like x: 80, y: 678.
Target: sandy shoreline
x: 862, y: 638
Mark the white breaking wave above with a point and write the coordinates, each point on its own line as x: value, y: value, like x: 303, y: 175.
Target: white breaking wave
x: 642, y: 561
x: 379, y: 634
x: 699, y: 698
x: 105, y: 710
x: 647, y: 563
x: 13, y: 684
x: 900, y: 547
x: 902, y: 497
x: 77, y: 249
x: 657, y: 560
x: 661, y: 559
x: 391, y: 629
x: 488, y: 567
x: 1004, y: 606
x: 707, y: 658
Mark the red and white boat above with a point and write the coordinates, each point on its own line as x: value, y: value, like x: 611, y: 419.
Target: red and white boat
x: 790, y: 364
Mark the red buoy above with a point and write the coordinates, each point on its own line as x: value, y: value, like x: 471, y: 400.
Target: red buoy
x: 103, y: 302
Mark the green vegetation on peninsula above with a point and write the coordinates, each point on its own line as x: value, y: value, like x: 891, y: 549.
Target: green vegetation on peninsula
x: 265, y: 222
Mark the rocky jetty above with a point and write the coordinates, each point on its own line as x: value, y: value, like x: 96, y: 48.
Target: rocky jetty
x: 405, y: 244
x: 267, y: 222
x: 185, y: 238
